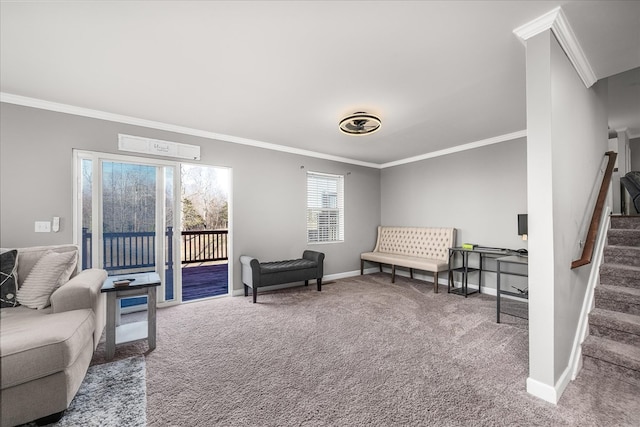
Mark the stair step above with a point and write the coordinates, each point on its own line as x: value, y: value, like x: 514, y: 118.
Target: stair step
x: 618, y: 359
x: 616, y: 326
x: 627, y: 255
x: 618, y: 293
x: 623, y: 237
x: 620, y: 275
x: 620, y: 373
x: 625, y: 221
x: 618, y: 298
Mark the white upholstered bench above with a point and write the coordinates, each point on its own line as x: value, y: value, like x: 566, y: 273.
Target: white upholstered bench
x: 419, y: 248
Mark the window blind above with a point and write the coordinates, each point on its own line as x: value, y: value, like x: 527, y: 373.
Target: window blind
x: 325, y: 207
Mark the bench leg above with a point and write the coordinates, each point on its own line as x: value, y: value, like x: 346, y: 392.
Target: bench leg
x: 411, y: 272
x: 255, y: 295
x: 319, y: 281
x: 246, y: 290
x: 380, y: 265
x: 361, y: 267
x: 306, y: 283
x: 435, y: 282
x: 393, y: 273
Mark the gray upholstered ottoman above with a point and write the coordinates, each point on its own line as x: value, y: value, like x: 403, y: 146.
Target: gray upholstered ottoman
x: 256, y: 274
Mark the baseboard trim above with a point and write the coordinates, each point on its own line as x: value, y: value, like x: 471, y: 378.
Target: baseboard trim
x: 563, y: 381
x: 442, y: 280
x: 542, y: 391
x: 582, y: 331
x: 549, y: 393
x: 325, y: 279
x: 349, y: 274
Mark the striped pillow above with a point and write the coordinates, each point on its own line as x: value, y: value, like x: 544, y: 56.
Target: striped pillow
x: 50, y: 272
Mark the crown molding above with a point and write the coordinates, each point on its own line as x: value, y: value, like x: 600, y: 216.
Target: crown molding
x: 629, y: 133
x: 458, y: 148
x: 102, y: 115
x: 556, y: 21
x: 537, y: 26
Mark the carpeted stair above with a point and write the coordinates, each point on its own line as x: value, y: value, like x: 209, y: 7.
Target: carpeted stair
x: 613, y: 344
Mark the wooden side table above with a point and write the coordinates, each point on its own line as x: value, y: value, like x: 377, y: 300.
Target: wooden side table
x: 140, y: 284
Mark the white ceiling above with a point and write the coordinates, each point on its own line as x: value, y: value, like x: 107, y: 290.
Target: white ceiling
x: 438, y: 73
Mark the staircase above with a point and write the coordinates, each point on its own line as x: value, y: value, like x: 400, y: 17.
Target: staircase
x: 613, y: 344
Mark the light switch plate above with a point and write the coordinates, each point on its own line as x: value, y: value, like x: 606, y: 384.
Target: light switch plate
x: 43, y: 227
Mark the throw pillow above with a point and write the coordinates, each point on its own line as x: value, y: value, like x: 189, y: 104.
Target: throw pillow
x: 50, y: 272
x: 8, y: 278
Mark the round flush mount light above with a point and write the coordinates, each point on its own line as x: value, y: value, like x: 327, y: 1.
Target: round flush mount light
x: 360, y: 124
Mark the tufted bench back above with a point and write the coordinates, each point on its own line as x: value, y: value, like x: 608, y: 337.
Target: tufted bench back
x: 419, y: 242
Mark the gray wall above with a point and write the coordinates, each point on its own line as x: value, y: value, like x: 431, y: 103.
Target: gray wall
x: 480, y: 192
x: 566, y: 142
x: 268, y: 187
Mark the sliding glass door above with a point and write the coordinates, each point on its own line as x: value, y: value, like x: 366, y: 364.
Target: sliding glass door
x: 136, y: 215
x: 204, y: 231
x: 125, y: 220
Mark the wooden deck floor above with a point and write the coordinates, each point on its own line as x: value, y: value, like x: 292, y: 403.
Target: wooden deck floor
x: 204, y: 281
x: 198, y: 281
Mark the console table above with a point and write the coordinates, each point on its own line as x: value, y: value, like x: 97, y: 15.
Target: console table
x: 515, y: 260
x: 140, y: 284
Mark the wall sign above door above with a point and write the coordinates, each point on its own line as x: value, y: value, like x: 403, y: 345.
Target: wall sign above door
x: 158, y: 147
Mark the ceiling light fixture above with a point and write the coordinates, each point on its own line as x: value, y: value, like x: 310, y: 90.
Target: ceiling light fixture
x: 360, y: 124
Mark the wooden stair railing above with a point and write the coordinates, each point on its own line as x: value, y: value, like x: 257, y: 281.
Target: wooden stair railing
x: 590, y: 241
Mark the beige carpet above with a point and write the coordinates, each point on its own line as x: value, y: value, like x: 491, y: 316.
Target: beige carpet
x: 361, y: 352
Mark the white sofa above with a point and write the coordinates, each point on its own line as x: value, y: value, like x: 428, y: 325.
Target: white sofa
x: 45, y: 352
x: 419, y: 248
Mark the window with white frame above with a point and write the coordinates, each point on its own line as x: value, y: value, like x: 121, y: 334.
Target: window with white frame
x: 325, y: 207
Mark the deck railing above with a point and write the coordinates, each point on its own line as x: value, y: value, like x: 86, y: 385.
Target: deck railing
x: 136, y: 250
x: 204, y: 245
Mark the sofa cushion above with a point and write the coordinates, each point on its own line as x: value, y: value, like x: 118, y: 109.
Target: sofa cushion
x: 288, y: 265
x: 8, y: 278
x: 422, y: 242
x: 418, y: 263
x: 34, y: 345
x: 50, y: 272
x: 29, y: 257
